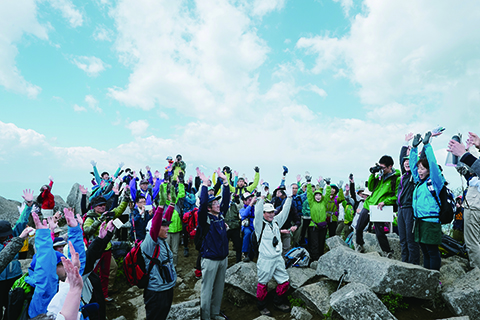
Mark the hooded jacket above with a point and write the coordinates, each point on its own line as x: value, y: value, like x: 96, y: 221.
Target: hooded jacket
x: 318, y: 210
x: 384, y: 189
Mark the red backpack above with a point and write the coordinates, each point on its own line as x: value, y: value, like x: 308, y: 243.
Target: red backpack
x: 134, y: 266
x: 191, y: 220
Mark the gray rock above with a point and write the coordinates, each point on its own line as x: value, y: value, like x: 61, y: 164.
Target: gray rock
x: 300, y: 313
x: 461, y: 261
x: 25, y: 263
x: 457, y: 318
x: 74, y: 198
x: 334, y: 242
x: 242, y: 276
x: 451, y: 272
x: 300, y: 276
x: 264, y: 318
x: 317, y: 296
x: 185, y: 310
x: 381, y: 275
x: 314, y: 265
x: 60, y: 204
x: 356, y: 301
x: 9, y: 210
x: 463, y: 296
x: 120, y: 318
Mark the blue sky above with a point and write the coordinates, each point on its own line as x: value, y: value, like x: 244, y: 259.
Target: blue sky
x: 324, y: 86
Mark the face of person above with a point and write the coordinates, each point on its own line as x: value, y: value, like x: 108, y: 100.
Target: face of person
x: 294, y: 189
x: 386, y: 169
x: 211, y: 192
x: 268, y: 216
x: 100, y: 209
x: 406, y: 165
x: 240, y: 183
x: 248, y: 201
x: 58, y: 248
x: 62, y: 275
x: 304, y: 188
x: 163, y: 232
x: 106, y: 176
x: 215, y: 206
x: 422, y: 171
x: 144, y: 186
x: 141, y: 203
x: 279, y: 193
x: 318, y: 197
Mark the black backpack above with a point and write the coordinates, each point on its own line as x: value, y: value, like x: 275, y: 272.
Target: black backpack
x: 446, y: 203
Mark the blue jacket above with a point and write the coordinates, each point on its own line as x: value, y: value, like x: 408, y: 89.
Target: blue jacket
x: 140, y: 223
x: 424, y: 204
x: 215, y: 244
x: 14, y: 269
x: 247, y: 212
x: 45, y: 275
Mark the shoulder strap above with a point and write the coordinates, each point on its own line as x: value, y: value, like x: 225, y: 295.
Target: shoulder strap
x: 432, y: 191
x: 261, y: 232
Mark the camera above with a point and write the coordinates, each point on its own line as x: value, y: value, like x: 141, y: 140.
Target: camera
x: 275, y: 241
x: 258, y: 194
x: 375, y: 169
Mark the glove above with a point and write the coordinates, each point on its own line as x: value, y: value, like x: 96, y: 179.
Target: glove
x: 257, y: 169
x: 308, y: 177
x: 93, y: 163
x: 322, y: 184
x: 327, y: 180
x: 236, y: 198
x: 288, y: 191
x: 426, y: 139
x: 416, y: 140
x: 285, y: 170
x: 340, y: 184
x: 121, y: 164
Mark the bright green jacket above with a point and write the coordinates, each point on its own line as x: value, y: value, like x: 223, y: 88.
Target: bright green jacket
x: 348, y: 212
x: 318, y: 210
x: 250, y: 188
x: 176, y: 225
x: 332, y: 208
x: 383, y: 190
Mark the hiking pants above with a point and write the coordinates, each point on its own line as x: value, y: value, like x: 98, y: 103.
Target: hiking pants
x: 431, y: 256
x: 332, y: 228
x: 234, y: 235
x: 363, y: 221
x: 213, y: 281
x: 157, y: 303
x: 471, y: 226
x: 104, y: 266
x: 316, y: 242
x: 410, y: 249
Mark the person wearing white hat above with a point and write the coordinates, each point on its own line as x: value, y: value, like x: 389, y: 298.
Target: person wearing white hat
x: 270, y: 262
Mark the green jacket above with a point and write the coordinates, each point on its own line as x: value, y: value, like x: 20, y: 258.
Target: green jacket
x: 383, y: 190
x: 348, y: 212
x: 176, y: 225
x: 318, y: 210
x: 332, y: 208
x: 91, y: 226
x: 250, y: 188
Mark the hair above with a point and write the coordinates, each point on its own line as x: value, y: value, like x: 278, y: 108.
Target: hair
x: 104, y: 173
x: 139, y: 198
x: 424, y: 163
x: 386, y: 160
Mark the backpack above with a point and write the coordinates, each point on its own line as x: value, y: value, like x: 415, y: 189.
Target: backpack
x: 297, y: 257
x: 134, y: 266
x: 191, y: 222
x: 200, y: 236
x: 19, y: 299
x: 446, y: 203
x: 254, y: 243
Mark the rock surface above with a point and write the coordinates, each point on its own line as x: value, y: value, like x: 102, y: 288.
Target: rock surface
x: 300, y: 313
x: 449, y: 273
x: 300, y: 276
x: 381, y: 275
x: 74, y: 198
x: 9, y: 211
x: 463, y: 295
x: 356, y: 301
x: 185, y: 310
x: 334, y: 242
x: 317, y: 295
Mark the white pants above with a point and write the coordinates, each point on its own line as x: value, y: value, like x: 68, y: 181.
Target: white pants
x: 471, y: 217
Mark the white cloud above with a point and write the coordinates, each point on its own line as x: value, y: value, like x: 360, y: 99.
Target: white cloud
x: 17, y: 18
x: 346, y: 6
x: 102, y: 33
x: 92, y: 103
x: 311, y: 87
x: 425, y: 62
x: 78, y: 108
x: 69, y: 12
x: 138, y: 127
x: 91, y: 65
x: 262, y: 7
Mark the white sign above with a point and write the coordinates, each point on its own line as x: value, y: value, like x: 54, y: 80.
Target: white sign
x: 384, y: 215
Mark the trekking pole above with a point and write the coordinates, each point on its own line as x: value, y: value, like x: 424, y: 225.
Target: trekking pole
x: 345, y: 272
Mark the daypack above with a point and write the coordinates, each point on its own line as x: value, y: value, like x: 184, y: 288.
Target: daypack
x: 134, y: 266
x: 452, y: 247
x: 190, y: 219
x: 446, y: 203
x: 297, y: 257
x: 19, y: 299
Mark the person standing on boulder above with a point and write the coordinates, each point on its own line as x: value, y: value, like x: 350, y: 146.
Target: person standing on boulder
x: 383, y: 183
x: 270, y: 262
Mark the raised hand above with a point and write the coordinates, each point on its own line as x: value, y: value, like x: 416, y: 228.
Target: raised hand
x: 110, y: 226
x: 263, y: 191
x: 408, y: 136
x: 121, y: 164
x: 299, y: 178
x: 221, y: 175
x: 50, y: 178
x: 340, y: 184
x: 73, y: 276
x: 134, y: 175
x: 38, y: 224
x: 75, y: 257
x: 79, y: 219
x: 25, y: 232
x: 115, y: 189
x: 28, y: 195
x: 82, y: 189
x: 257, y: 169
x: 69, y: 216
x: 202, y: 177
x: 456, y: 148
x: 94, y: 163
x: 51, y: 224
x: 416, y: 140
x: 147, y: 168
x: 102, y: 183
x: 157, y: 174
x: 197, y: 169
x: 235, y: 173
x: 190, y: 179
x: 474, y: 139
x: 288, y: 190
x: 347, y: 187
x: 102, y: 232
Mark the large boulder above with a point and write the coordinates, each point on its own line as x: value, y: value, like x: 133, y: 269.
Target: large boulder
x: 380, y: 274
x: 449, y: 273
x: 9, y: 210
x: 317, y: 295
x: 335, y: 241
x: 300, y: 313
x: 356, y: 301
x: 243, y: 276
x: 60, y: 204
x: 74, y: 198
x: 300, y: 276
x: 463, y: 295
x: 185, y: 310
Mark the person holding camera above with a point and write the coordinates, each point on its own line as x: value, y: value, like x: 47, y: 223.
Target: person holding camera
x: 383, y: 183
x: 270, y: 262
x: 91, y: 228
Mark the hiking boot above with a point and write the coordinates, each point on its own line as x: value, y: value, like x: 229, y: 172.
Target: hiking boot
x: 282, y: 307
x: 245, y: 258
x: 359, y: 248
x: 108, y: 299
x: 185, y: 252
x: 265, y: 312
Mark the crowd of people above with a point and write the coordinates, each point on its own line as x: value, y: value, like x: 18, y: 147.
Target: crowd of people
x: 72, y: 274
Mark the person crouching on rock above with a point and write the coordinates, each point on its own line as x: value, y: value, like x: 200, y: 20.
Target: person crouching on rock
x: 270, y: 262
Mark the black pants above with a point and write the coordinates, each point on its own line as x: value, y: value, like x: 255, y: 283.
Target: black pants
x: 332, y: 229
x: 316, y: 242
x: 234, y: 235
x: 158, y: 303
x: 5, y: 287
x: 363, y: 221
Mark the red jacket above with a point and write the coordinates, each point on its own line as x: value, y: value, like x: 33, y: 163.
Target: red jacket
x: 48, y: 199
